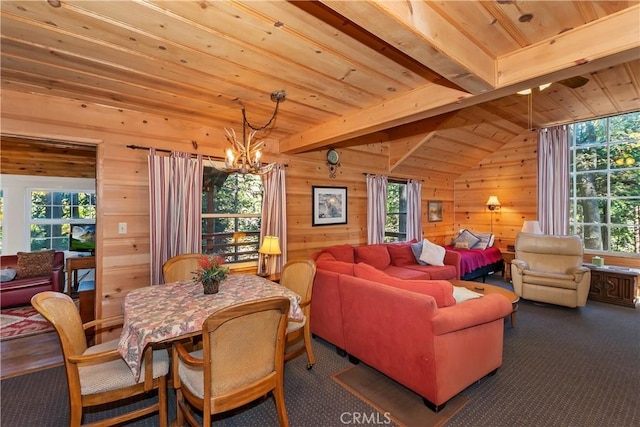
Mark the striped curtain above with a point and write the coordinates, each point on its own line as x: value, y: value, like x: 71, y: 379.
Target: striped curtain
x: 175, y: 186
x: 414, y: 209
x: 274, y: 214
x: 376, y: 208
x: 553, y: 180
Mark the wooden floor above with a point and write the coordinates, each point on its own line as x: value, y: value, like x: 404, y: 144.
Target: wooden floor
x: 22, y: 355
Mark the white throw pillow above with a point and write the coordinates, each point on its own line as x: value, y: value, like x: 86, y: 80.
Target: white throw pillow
x: 432, y: 254
x: 461, y: 294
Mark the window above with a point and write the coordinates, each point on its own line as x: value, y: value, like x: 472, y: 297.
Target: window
x: 231, y: 214
x: 605, y: 177
x: 52, y: 212
x: 395, y: 228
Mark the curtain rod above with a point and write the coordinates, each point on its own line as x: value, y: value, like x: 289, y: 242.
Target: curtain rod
x: 393, y: 178
x: 162, y: 150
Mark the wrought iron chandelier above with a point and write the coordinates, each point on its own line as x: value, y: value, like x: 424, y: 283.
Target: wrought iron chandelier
x: 244, y: 155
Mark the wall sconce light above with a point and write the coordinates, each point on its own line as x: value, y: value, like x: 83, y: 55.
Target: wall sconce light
x: 270, y: 246
x: 532, y: 227
x: 493, y: 204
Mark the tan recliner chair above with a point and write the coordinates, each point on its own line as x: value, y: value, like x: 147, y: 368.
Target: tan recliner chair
x: 549, y: 269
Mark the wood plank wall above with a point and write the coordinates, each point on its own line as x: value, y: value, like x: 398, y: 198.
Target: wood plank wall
x: 122, y: 262
x: 510, y: 174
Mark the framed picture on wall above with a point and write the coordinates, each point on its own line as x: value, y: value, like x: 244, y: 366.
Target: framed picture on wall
x: 329, y: 205
x: 434, y: 210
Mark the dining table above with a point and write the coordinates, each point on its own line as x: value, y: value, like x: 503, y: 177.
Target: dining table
x: 172, y: 311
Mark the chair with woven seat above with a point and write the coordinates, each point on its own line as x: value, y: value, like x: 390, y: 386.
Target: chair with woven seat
x: 298, y: 275
x: 241, y: 360
x: 180, y: 267
x: 97, y: 375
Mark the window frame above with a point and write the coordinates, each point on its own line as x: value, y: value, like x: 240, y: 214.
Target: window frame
x: 578, y: 224
x: 63, y: 222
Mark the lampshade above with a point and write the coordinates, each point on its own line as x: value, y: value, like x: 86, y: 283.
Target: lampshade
x: 531, y: 227
x: 270, y: 246
x: 493, y: 203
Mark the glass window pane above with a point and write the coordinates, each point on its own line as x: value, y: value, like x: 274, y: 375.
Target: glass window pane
x: 591, y: 132
x: 625, y: 183
x: 593, y: 158
x: 625, y: 239
x: 591, y: 184
x: 625, y: 211
x: 625, y: 127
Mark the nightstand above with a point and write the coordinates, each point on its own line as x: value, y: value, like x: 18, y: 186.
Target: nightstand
x: 507, y: 257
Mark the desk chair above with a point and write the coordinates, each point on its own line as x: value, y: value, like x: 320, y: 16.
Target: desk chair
x: 241, y: 360
x: 97, y: 375
x: 298, y: 276
x: 180, y: 267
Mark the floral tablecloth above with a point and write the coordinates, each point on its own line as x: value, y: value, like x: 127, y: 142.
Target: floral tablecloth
x: 165, y: 312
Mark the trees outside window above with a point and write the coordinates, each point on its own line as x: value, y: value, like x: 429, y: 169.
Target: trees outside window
x: 395, y: 228
x: 605, y: 183
x: 53, y: 212
x: 231, y: 215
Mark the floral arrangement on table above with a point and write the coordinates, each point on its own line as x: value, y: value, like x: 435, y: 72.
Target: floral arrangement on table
x: 211, y: 272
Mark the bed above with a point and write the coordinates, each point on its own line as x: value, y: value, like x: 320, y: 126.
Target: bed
x: 478, y: 256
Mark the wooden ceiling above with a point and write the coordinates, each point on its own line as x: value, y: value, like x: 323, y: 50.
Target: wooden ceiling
x: 413, y: 72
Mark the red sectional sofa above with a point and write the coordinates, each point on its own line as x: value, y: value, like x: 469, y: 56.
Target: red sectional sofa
x: 411, y: 330
x: 20, y: 290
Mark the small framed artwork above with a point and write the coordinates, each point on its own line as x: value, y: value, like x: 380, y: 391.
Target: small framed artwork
x: 434, y: 210
x: 329, y: 205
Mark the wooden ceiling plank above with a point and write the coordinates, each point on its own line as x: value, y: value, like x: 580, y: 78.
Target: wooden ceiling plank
x: 426, y: 37
x: 615, y: 36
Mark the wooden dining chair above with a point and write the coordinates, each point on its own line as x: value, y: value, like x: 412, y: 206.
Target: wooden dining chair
x: 97, y: 375
x: 242, y: 359
x: 180, y: 267
x: 298, y: 276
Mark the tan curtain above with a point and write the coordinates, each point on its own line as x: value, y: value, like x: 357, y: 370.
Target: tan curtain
x: 414, y: 209
x: 376, y: 208
x: 553, y: 180
x: 175, y: 187
x: 274, y: 214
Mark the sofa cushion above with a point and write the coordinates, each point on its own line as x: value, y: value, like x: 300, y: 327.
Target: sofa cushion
x: 374, y: 255
x: 468, y: 237
x: 401, y: 254
x: 336, y: 266
x: 325, y: 256
x: 432, y: 254
x: 34, y: 264
x: 416, y: 248
x: 440, y: 290
x: 406, y: 272
x: 486, y: 240
x: 435, y: 272
x: 7, y: 274
x: 342, y: 253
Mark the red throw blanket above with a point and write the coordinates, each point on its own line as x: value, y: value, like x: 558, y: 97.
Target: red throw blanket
x: 472, y: 259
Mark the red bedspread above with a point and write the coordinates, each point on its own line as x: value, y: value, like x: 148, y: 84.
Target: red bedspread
x: 472, y: 259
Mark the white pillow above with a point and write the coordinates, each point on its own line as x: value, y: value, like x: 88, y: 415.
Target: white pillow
x: 432, y: 254
x: 461, y: 294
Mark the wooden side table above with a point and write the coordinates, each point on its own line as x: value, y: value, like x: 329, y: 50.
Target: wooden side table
x: 73, y: 265
x: 507, y: 257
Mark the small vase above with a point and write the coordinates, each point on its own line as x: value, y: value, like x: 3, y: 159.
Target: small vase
x: 211, y: 286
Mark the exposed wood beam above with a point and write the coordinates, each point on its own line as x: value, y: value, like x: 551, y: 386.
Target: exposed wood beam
x: 432, y: 100
x: 415, y: 29
x: 617, y: 34
x: 405, y: 141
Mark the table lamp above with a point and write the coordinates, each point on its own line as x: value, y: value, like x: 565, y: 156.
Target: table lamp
x: 532, y: 227
x: 270, y: 246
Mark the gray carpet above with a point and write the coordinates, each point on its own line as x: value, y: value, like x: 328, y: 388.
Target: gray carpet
x: 562, y: 367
